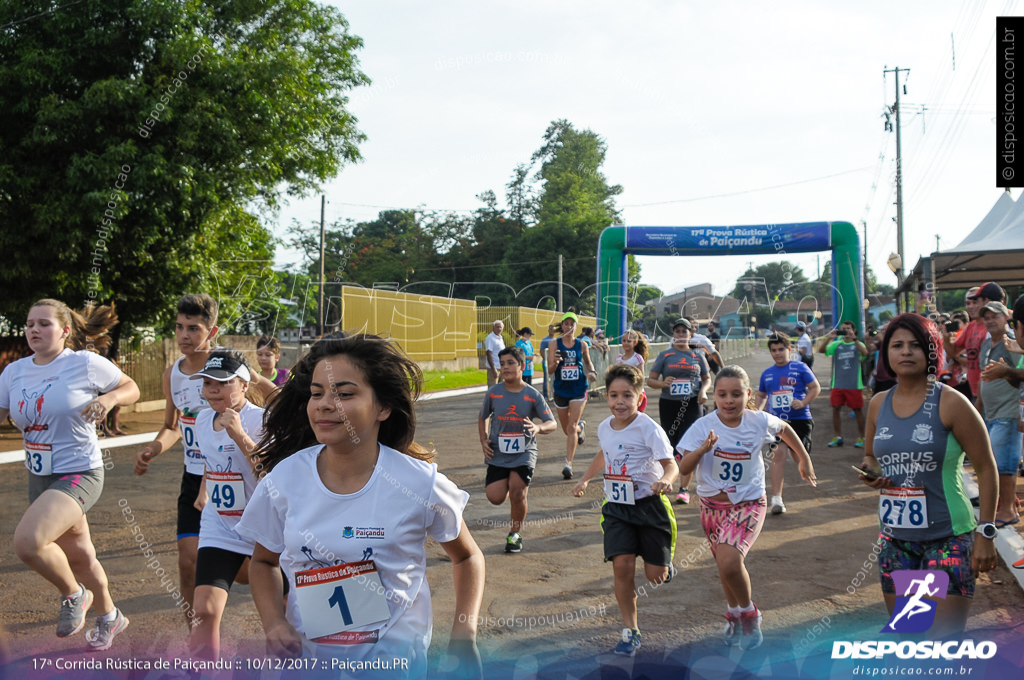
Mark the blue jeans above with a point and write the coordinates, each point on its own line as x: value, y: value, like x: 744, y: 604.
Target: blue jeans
x: 1006, y: 442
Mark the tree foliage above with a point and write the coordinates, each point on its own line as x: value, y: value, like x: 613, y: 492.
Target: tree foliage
x: 558, y: 203
x: 137, y: 158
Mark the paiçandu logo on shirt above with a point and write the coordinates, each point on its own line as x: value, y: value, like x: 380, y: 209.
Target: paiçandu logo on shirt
x: 922, y: 434
x: 363, y: 532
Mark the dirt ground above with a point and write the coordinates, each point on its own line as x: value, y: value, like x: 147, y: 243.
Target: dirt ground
x: 549, y: 611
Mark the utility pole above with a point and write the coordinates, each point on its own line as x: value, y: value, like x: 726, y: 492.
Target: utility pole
x: 320, y: 304
x: 560, y: 307
x: 899, y: 179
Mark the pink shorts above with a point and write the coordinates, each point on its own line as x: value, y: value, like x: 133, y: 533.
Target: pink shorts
x: 737, y: 525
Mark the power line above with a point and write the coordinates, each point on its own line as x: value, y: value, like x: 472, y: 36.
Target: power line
x: 36, y: 16
x: 750, y: 191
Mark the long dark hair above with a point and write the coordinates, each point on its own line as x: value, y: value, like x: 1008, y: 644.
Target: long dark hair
x: 924, y: 331
x: 396, y: 381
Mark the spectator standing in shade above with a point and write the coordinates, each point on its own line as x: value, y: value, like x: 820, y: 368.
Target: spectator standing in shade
x: 999, y: 403
x: 804, y: 346
x: 493, y: 344
x: 552, y: 329
x: 970, y: 339
x: 523, y: 343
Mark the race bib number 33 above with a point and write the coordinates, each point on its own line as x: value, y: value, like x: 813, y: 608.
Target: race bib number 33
x: 340, y: 598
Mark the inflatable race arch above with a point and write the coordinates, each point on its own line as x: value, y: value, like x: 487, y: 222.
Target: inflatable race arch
x: 840, y: 237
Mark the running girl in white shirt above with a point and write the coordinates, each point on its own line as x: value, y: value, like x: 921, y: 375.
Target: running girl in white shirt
x: 56, y: 397
x: 345, y: 511
x: 730, y: 485
x: 226, y: 434
x: 636, y: 518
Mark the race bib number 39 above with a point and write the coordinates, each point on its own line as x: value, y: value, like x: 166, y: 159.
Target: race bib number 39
x: 339, y: 598
x: 619, y: 489
x: 903, y: 508
x: 731, y: 468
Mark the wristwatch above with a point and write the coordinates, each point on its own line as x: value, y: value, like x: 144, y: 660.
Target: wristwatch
x: 987, y: 530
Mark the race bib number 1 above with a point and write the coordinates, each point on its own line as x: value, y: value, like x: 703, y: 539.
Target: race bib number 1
x: 903, y: 508
x: 619, y: 489
x: 339, y: 598
x: 39, y: 458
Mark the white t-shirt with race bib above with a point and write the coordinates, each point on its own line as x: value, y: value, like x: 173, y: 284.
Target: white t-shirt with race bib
x: 187, y: 395
x: 735, y: 464
x: 46, y: 402
x: 386, y: 524
x: 634, y: 452
x: 230, y: 479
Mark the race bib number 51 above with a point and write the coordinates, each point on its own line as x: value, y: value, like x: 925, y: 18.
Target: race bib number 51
x: 619, y: 489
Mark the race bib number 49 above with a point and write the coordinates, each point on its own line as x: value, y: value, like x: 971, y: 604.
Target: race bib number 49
x: 339, y: 598
x: 227, y: 492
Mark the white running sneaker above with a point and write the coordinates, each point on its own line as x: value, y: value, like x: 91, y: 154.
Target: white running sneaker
x: 751, y: 624
x: 778, y: 507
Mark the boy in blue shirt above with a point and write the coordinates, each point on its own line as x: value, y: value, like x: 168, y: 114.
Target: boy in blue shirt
x: 786, y: 391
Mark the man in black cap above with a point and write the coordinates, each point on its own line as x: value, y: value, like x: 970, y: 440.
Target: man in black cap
x: 970, y: 339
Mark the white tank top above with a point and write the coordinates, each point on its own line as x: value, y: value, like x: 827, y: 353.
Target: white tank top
x: 187, y: 395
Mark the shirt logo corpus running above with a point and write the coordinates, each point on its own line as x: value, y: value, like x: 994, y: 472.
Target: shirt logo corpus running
x: 913, y: 613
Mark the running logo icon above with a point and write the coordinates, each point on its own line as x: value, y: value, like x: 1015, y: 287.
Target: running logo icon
x: 913, y: 613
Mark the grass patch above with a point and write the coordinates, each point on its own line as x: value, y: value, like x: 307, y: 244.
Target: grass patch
x: 434, y: 381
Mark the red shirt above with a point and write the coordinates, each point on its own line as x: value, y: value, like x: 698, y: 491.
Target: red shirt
x: 970, y: 339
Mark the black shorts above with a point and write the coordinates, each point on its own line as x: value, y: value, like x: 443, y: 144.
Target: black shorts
x: 528, y: 379
x: 563, y: 402
x: 188, y: 516
x: 496, y: 473
x: 676, y: 417
x: 217, y: 567
x: 803, y: 429
x: 647, y: 529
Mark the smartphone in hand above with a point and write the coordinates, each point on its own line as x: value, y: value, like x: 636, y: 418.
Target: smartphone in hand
x: 871, y: 476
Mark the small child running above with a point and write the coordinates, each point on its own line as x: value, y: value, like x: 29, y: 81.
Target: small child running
x: 730, y: 485
x: 510, y: 441
x: 636, y: 518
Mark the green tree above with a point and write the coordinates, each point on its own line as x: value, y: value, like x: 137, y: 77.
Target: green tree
x: 139, y: 154
x: 575, y: 204
x: 771, y: 281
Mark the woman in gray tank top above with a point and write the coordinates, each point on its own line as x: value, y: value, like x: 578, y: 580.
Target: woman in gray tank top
x: 914, y: 457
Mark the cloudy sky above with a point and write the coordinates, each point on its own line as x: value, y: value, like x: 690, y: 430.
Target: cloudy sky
x: 721, y: 113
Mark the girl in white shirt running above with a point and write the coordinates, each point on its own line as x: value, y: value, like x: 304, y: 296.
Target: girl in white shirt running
x: 56, y: 397
x: 345, y: 511
x: 634, y: 353
x: 730, y: 484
